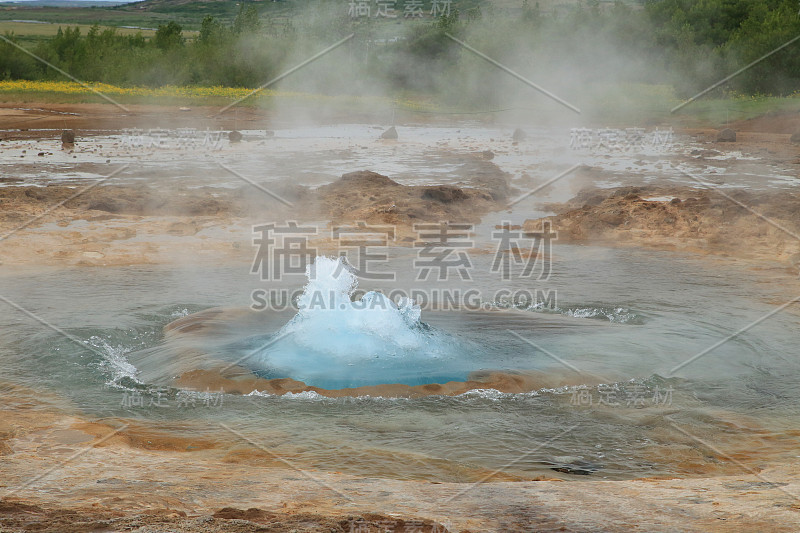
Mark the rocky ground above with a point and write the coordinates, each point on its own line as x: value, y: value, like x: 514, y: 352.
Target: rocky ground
x: 117, y: 225
x: 111, y: 477
x: 734, y: 223
x: 139, y: 480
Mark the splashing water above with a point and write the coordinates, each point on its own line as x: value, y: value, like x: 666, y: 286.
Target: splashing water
x: 334, y: 341
x: 329, y: 322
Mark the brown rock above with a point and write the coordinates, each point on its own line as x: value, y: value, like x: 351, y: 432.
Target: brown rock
x: 444, y: 193
x: 612, y: 219
x: 365, y: 177
x: 726, y: 136
x: 253, y: 514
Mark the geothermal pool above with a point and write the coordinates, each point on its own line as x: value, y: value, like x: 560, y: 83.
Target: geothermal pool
x: 648, y: 313
x: 634, y: 333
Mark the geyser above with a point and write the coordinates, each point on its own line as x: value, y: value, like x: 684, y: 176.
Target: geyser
x: 334, y: 341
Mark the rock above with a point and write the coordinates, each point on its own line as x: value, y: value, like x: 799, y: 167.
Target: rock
x: 365, y: 178
x: 67, y: 137
x: 626, y: 192
x: 232, y: 513
x: 235, y: 136
x: 578, y: 468
x: 795, y: 138
x: 391, y: 133
x: 519, y: 135
x: 612, y: 219
x: 701, y: 202
x: 590, y: 197
x: 726, y: 136
x: 444, y: 194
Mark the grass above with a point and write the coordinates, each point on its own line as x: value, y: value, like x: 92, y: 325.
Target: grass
x: 722, y: 111
x: 628, y: 104
x: 642, y: 104
x: 82, y: 15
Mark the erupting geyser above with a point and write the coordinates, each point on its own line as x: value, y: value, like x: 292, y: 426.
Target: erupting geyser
x: 335, y: 341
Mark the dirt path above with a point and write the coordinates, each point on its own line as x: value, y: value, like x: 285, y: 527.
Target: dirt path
x: 27, y: 116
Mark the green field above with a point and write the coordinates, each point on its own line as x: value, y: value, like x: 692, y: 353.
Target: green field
x: 643, y: 103
x: 34, y: 30
x: 188, y: 15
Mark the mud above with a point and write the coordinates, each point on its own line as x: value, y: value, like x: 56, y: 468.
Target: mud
x: 26, y: 120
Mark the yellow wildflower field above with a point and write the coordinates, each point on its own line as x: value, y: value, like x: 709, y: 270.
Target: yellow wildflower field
x: 169, y: 92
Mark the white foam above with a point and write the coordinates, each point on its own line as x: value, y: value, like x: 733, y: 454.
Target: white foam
x: 328, y: 321
x: 334, y: 340
x: 114, y: 360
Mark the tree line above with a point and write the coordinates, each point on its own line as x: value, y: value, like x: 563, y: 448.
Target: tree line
x: 688, y: 44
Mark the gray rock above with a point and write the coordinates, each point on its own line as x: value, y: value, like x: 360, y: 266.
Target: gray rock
x: 795, y: 138
x: 578, y: 468
x: 67, y: 137
x: 519, y: 135
x: 235, y: 136
x: 391, y: 133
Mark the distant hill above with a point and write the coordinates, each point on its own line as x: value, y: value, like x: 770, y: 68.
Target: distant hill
x: 191, y: 12
x: 62, y: 3
x: 225, y: 6
x: 184, y: 5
